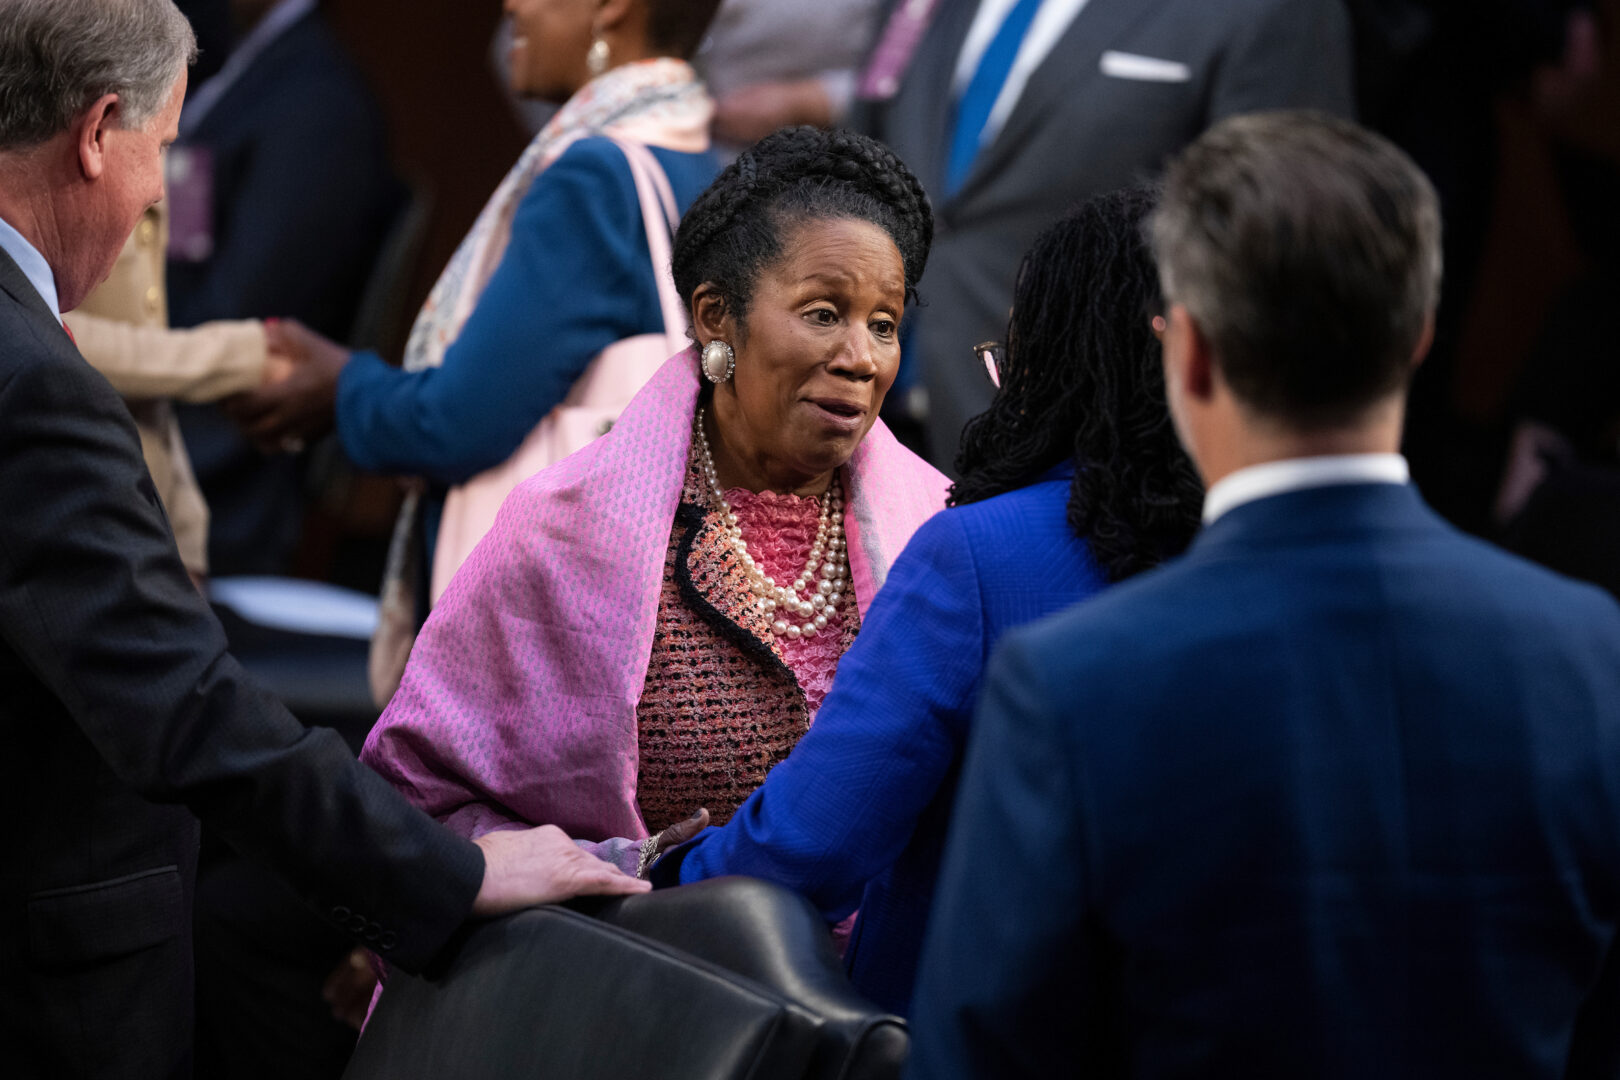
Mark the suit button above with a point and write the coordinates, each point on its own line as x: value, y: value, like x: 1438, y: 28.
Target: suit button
x: 357, y: 924
x: 154, y: 300
x: 373, y: 932
x: 387, y: 941
x: 341, y: 914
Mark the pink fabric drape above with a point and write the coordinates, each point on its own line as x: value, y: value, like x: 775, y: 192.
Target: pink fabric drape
x: 518, y: 706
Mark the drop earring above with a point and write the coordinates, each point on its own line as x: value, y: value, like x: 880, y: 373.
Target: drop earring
x: 597, y: 57
x: 719, y: 361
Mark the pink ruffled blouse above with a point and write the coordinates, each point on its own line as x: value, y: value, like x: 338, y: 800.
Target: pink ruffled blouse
x: 724, y: 700
x: 779, y: 531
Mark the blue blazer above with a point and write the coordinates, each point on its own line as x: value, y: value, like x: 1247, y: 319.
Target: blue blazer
x: 1337, y: 794
x: 857, y: 814
x: 576, y: 277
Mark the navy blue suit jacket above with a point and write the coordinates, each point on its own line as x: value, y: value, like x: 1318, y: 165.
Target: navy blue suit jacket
x: 303, y: 198
x: 858, y: 813
x: 1335, y: 795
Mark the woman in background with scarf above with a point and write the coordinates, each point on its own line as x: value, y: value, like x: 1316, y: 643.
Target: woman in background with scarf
x: 556, y: 269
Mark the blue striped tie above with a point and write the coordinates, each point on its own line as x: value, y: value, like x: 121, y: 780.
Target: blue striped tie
x: 973, y: 111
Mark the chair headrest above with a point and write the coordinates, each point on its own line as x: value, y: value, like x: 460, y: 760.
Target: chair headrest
x: 728, y: 978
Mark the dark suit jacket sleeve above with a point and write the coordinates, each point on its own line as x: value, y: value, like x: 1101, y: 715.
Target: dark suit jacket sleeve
x: 298, y: 234
x: 1289, y: 54
x: 846, y: 802
x: 1003, y: 989
x: 94, y: 599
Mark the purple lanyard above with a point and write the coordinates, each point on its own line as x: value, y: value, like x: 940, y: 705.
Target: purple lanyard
x: 904, y: 32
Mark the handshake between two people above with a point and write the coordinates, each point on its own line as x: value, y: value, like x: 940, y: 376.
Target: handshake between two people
x: 296, y: 403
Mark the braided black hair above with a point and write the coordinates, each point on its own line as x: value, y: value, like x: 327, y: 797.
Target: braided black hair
x: 735, y: 229
x: 1082, y: 380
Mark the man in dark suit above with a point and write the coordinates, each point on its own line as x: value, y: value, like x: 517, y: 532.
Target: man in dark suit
x: 287, y: 171
x: 1010, y: 112
x: 1337, y: 794
x: 123, y: 713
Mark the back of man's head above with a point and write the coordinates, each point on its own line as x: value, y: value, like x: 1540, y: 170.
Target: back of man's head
x: 59, y: 56
x: 1307, y: 250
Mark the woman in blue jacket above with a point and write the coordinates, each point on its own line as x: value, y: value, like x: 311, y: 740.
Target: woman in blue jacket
x: 555, y: 269
x: 1071, y: 480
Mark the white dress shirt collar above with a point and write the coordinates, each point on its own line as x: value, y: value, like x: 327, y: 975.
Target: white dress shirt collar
x: 1295, y: 474
x: 32, y: 264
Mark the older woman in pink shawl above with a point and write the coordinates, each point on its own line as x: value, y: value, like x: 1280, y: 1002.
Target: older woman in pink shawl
x: 653, y: 622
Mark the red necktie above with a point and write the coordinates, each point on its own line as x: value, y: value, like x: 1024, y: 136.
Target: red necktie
x: 69, y: 333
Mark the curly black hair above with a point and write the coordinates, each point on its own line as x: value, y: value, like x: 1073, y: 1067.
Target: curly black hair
x: 1082, y: 381
x: 735, y: 229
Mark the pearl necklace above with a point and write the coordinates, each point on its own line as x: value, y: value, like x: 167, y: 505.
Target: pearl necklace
x: 817, y: 605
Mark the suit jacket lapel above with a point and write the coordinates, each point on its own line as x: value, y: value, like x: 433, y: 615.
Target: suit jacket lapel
x: 19, y: 288
x: 929, y: 80
x: 1074, y: 60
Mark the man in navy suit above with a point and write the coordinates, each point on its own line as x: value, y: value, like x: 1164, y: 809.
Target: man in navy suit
x: 1337, y: 794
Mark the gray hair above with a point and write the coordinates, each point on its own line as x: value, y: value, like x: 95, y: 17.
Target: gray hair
x: 59, y: 56
x: 1307, y: 249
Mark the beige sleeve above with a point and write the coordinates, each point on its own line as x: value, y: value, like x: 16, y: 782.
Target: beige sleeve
x: 188, y: 513
x: 207, y: 363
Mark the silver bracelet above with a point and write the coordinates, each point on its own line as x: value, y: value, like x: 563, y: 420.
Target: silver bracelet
x: 649, y: 852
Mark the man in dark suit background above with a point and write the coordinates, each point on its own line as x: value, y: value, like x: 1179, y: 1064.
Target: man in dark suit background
x: 289, y: 175
x: 1337, y: 794
x: 123, y: 713
x: 1011, y: 111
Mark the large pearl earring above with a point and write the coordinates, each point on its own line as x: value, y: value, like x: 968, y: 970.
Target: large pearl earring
x: 597, y: 58
x: 719, y: 361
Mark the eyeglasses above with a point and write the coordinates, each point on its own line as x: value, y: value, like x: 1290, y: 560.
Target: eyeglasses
x: 991, y: 354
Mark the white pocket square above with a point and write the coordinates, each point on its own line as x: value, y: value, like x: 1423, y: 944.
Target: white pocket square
x: 1123, y: 65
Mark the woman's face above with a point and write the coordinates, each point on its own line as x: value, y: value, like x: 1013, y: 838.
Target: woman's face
x: 549, y: 41
x: 822, y: 349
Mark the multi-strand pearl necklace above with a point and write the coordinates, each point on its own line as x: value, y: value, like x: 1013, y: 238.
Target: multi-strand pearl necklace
x: 815, y: 596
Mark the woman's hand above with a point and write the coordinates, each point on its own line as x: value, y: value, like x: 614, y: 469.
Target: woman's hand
x: 348, y: 989
x: 299, y: 398
x: 680, y: 832
x: 674, y: 836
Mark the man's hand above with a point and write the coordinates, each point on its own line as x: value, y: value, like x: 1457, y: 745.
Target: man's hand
x: 542, y: 866
x: 299, y: 396
x: 752, y: 112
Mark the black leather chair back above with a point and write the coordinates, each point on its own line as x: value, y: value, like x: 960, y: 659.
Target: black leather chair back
x: 728, y: 978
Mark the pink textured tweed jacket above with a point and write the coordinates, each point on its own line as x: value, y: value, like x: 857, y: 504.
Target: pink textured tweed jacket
x: 518, y: 706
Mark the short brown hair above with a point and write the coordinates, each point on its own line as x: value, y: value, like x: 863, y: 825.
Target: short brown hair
x: 1307, y: 249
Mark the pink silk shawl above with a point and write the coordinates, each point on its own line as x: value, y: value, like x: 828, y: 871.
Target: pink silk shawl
x: 518, y: 705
